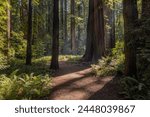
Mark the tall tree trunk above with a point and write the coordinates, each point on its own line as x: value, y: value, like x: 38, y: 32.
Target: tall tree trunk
x: 55, y: 43
x: 112, y: 36
x: 50, y: 12
x: 95, y: 46
x: 65, y: 25
x: 130, y: 17
x: 62, y: 23
x: 29, y: 36
x: 79, y: 27
x: 49, y: 26
x: 65, y: 19
x: 73, y: 38
x: 146, y: 21
x: 144, y: 40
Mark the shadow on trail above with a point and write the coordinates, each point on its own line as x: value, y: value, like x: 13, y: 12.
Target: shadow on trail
x: 109, y: 92
x: 75, y: 82
x: 67, y: 68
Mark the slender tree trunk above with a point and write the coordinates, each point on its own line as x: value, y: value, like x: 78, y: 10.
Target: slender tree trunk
x: 79, y: 27
x: 29, y: 36
x: 50, y: 12
x: 112, y: 36
x: 65, y: 19
x: 95, y: 46
x: 130, y: 18
x: 65, y: 25
x: 64, y: 28
x: 55, y: 44
x: 62, y: 23
x: 73, y: 38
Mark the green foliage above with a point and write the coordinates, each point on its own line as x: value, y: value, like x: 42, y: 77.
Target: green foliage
x: 112, y: 64
x: 3, y: 62
x: 38, y: 49
x: 70, y: 58
x: 19, y: 81
x: 135, y: 88
x: 19, y: 44
x: 24, y: 86
x: 105, y: 67
x: 118, y: 55
x: 42, y: 46
x: 3, y: 28
x: 39, y: 66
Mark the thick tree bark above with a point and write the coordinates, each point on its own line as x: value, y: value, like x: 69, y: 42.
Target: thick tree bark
x: 145, y: 21
x: 144, y: 40
x: 73, y: 36
x: 55, y: 43
x: 130, y: 18
x: 95, y: 46
x: 110, y: 21
x: 29, y: 36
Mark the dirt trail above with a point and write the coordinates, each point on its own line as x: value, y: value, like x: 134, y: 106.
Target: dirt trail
x: 74, y: 82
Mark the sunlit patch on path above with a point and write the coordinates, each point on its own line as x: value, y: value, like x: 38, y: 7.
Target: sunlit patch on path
x: 75, y: 82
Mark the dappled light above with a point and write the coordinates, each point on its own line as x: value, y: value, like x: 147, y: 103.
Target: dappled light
x: 75, y: 49
x: 78, y: 84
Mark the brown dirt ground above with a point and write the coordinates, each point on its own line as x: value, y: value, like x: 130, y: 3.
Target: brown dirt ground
x: 75, y: 82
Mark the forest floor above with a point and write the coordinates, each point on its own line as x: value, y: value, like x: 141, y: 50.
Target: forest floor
x: 75, y: 82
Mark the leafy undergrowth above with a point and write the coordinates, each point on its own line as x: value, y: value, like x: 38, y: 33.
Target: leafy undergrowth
x: 24, y: 86
x: 137, y: 89
x: 131, y: 87
x: 39, y: 66
x: 111, y: 64
x: 70, y: 58
x: 19, y: 81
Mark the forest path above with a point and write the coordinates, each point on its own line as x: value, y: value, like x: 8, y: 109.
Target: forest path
x: 75, y: 82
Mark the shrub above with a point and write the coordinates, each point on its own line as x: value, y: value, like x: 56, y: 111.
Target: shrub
x: 19, y: 44
x: 3, y: 62
x: 111, y: 64
x: 39, y: 67
x: 24, y: 86
x: 104, y: 67
x: 135, y: 88
x: 69, y: 58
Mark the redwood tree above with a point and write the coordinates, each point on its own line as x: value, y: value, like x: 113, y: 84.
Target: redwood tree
x: 146, y: 21
x: 73, y: 35
x: 55, y: 43
x: 130, y: 17
x: 95, y: 46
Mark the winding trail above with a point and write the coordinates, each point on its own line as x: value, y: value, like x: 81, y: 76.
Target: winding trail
x: 75, y: 82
